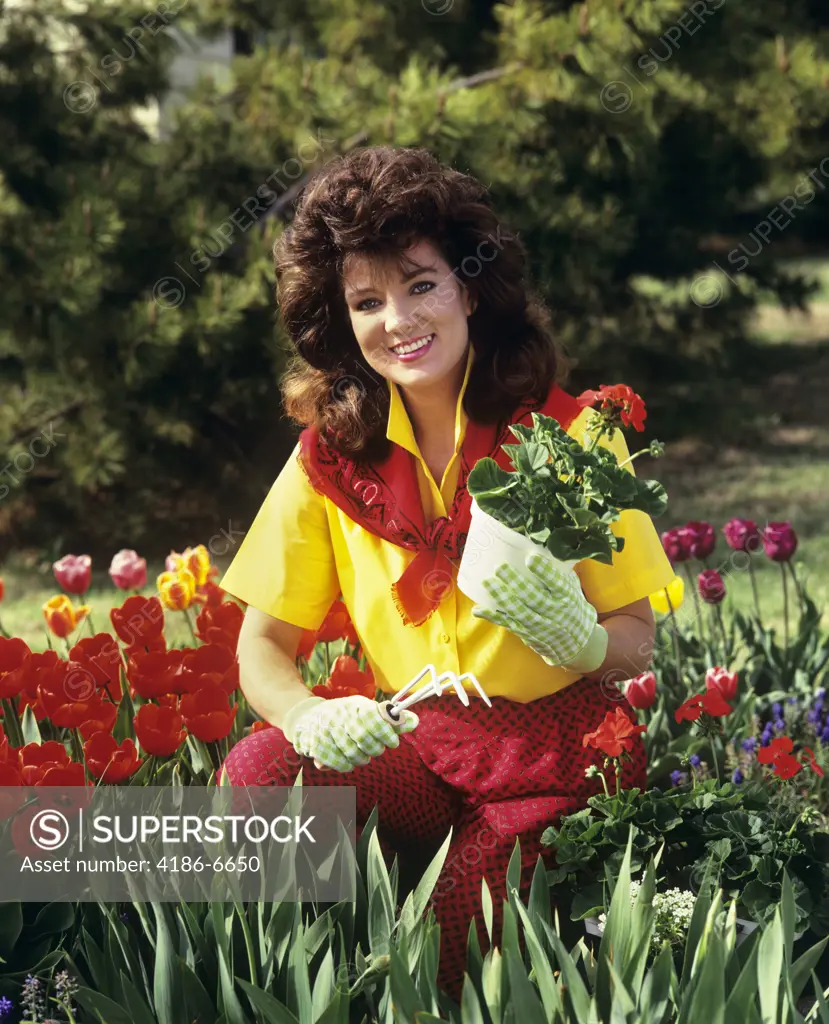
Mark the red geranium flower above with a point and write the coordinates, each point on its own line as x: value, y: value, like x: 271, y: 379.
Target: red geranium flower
x: 110, y: 761
x: 615, y: 734
x: 617, y: 401
x: 159, y: 730
x: 220, y: 624
x: 347, y: 679
x: 711, y: 703
x: 206, y: 713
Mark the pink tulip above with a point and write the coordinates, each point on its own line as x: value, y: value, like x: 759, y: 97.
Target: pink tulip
x: 719, y: 678
x: 711, y: 586
x: 742, y: 535
x: 780, y: 541
x: 73, y: 573
x: 699, y: 538
x: 128, y: 571
x: 675, y: 546
x: 641, y: 691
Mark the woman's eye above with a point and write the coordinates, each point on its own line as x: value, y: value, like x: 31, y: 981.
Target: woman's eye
x: 428, y: 285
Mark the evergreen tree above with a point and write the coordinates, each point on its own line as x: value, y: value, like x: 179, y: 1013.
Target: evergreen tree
x: 624, y: 139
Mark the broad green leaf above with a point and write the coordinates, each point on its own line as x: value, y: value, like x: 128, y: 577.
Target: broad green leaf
x: 31, y: 730
x: 770, y: 968
x: 167, y: 994
x: 270, y: 1007
x: 11, y: 925
x: 524, y: 1002
x: 108, y: 1011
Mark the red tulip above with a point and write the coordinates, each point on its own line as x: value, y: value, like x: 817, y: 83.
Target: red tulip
x: 779, y: 541
x: 211, y: 664
x: 159, y: 730
x: 641, y: 691
x: 37, y: 758
x: 139, y: 621
x: 110, y: 761
x: 719, y: 678
x: 98, y: 663
x: 615, y: 734
x: 13, y: 653
x: 127, y: 570
x: 97, y: 716
x: 61, y: 776
x: 206, y: 713
x: 742, y: 535
x: 699, y: 538
x: 676, y: 546
x: 711, y: 586
x: 153, y: 674
x: 73, y: 573
x: 10, y: 778
x: 220, y: 624
x: 346, y: 679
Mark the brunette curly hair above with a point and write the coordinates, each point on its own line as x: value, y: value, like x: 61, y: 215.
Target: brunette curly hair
x: 379, y: 201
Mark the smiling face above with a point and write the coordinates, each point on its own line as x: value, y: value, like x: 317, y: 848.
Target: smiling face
x: 411, y: 325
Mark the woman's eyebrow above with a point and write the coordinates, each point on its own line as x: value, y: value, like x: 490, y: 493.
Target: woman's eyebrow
x: 353, y: 292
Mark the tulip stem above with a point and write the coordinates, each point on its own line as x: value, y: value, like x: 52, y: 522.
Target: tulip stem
x: 4, y: 633
x: 754, y: 589
x: 190, y: 626
x: 91, y: 627
x: 798, y: 589
x: 12, y: 722
x: 715, y: 760
x: 675, y: 627
x: 785, y: 608
x: 693, y: 585
x: 725, y: 651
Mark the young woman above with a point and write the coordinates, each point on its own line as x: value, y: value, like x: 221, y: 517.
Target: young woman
x: 418, y: 343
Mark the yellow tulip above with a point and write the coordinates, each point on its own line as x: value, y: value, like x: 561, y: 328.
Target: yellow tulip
x: 61, y: 617
x: 197, y: 560
x: 176, y: 589
x: 676, y: 592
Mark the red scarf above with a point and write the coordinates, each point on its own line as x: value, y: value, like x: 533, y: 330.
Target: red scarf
x: 385, y: 500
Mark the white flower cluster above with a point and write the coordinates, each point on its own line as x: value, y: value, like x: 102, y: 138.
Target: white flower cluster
x: 673, y: 910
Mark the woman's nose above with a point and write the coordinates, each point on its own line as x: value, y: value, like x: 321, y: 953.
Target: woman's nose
x: 403, y: 314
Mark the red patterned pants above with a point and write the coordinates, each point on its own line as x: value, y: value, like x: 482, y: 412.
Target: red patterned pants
x: 490, y: 774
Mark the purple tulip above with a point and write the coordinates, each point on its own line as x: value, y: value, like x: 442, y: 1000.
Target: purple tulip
x: 699, y: 538
x: 780, y: 541
x: 711, y: 586
x: 675, y: 546
x: 742, y: 535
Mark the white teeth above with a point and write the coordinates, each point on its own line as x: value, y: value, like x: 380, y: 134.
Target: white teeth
x: 413, y: 348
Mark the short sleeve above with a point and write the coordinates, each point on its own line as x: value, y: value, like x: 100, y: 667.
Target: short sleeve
x: 641, y: 568
x: 285, y: 565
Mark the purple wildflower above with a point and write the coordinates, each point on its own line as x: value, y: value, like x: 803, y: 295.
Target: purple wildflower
x: 737, y: 777
x: 695, y: 760
x: 779, y: 725
x: 749, y: 744
x: 6, y: 1007
x: 677, y: 778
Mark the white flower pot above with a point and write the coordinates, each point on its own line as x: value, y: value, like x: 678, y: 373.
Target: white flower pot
x: 745, y: 928
x: 489, y: 544
x: 592, y: 926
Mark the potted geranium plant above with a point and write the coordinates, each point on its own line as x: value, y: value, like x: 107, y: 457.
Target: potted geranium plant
x: 562, y: 495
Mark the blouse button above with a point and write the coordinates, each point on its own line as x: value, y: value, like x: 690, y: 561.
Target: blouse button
x: 445, y: 638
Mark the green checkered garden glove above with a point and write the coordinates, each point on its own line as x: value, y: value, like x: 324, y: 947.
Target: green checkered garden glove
x: 343, y: 732
x: 549, y: 612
